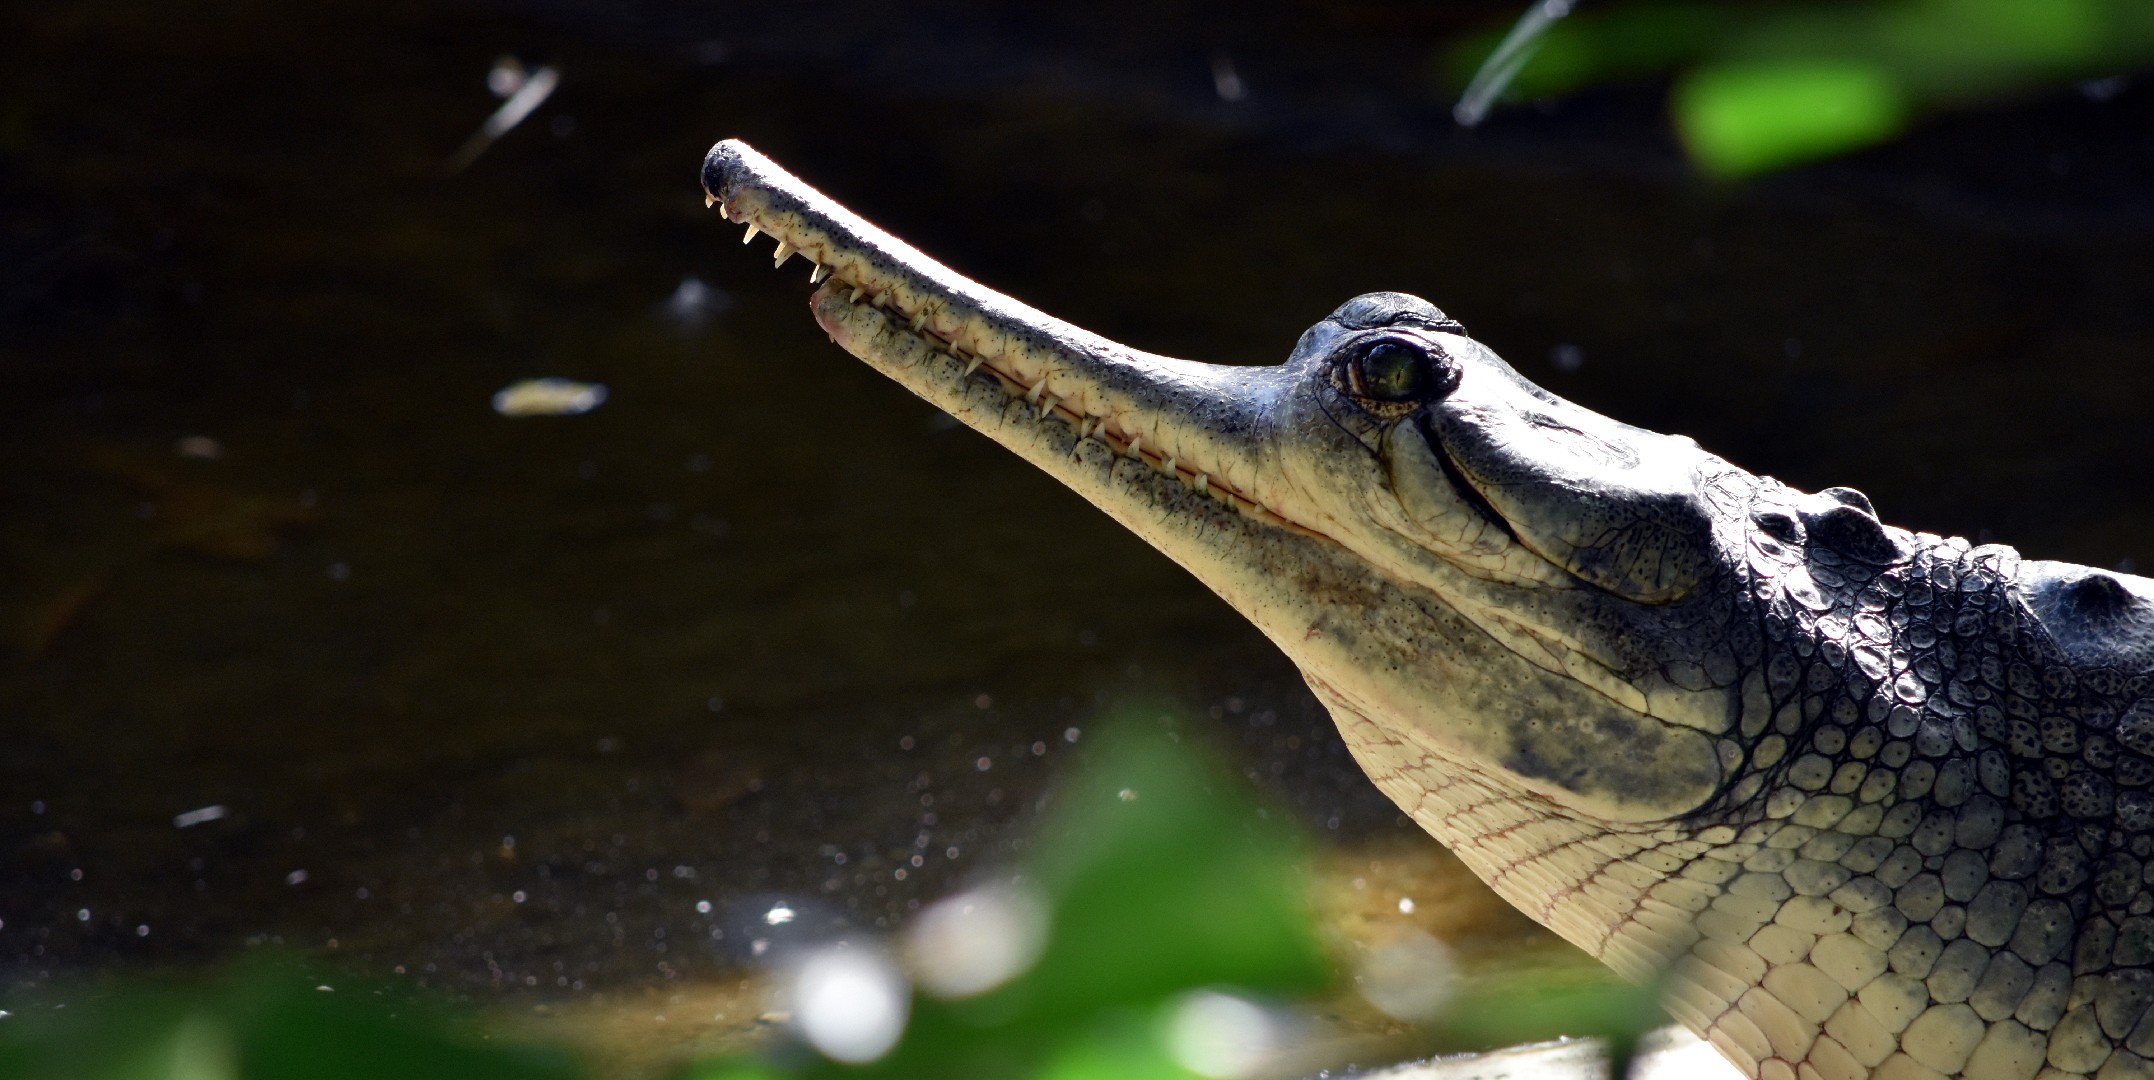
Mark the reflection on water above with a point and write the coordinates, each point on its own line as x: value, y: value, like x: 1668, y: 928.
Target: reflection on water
x: 553, y: 711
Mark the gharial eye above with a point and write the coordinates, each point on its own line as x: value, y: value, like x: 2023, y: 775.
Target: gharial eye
x: 1392, y: 370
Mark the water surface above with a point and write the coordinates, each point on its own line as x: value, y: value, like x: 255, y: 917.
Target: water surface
x: 543, y: 711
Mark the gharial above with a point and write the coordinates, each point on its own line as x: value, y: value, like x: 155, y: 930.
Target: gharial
x: 1878, y: 802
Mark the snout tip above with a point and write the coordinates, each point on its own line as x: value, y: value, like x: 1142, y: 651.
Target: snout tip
x: 729, y: 163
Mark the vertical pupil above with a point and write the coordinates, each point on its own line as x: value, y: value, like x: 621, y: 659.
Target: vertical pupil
x: 1391, y: 371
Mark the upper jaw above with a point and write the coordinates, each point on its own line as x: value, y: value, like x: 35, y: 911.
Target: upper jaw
x: 1200, y: 424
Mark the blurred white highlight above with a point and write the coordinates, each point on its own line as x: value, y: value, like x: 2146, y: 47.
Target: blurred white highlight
x: 850, y: 1002
x: 1226, y: 81
x: 975, y: 941
x: 1410, y: 975
x: 1220, y: 1035
x: 694, y: 302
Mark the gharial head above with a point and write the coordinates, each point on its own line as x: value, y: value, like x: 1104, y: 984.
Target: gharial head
x: 1483, y: 574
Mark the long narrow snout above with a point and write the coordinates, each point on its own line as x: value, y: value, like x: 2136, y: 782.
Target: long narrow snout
x: 981, y: 354
x: 1175, y: 450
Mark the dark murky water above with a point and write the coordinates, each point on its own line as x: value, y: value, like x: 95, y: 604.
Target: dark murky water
x: 503, y: 705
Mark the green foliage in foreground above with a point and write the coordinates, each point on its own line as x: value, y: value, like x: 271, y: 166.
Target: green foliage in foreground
x: 263, y: 1021
x: 1160, y: 878
x: 1763, y: 86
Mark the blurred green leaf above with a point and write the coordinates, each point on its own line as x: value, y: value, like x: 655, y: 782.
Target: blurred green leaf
x: 1164, y: 874
x: 1739, y: 119
x: 1124, y: 1048
x: 733, y: 1069
x: 292, y: 1033
x: 262, y: 1022
x: 133, y: 1034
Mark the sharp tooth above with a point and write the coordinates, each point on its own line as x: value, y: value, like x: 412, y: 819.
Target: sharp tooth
x: 784, y: 252
x: 856, y: 296
x: 1204, y: 484
x: 1033, y: 395
x: 973, y: 364
x: 710, y: 200
x: 1048, y: 405
x: 919, y: 319
x: 753, y: 229
x: 1084, y: 427
x: 1136, y: 446
x: 1167, y: 466
x: 816, y: 276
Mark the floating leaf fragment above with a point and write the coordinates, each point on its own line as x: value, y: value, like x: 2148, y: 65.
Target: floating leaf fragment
x: 549, y: 397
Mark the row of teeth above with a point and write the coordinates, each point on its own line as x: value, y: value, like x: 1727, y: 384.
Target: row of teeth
x: 1034, y: 395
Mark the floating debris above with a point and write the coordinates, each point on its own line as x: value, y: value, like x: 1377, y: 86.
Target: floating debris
x: 525, y: 95
x: 204, y: 816
x: 549, y: 397
x: 1497, y: 71
x: 199, y: 447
